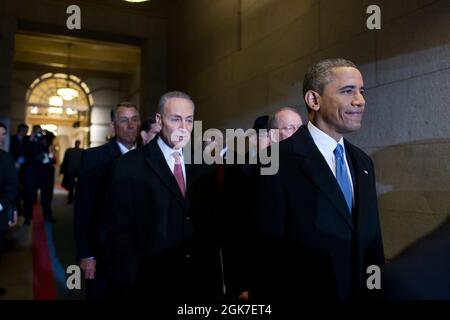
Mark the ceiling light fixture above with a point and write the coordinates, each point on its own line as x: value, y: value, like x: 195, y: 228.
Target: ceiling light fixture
x: 67, y: 93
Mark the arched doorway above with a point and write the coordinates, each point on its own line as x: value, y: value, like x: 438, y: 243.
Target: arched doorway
x: 66, y: 116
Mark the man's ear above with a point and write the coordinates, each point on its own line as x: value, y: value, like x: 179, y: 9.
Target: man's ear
x: 111, y: 126
x: 274, y: 135
x: 158, y: 119
x: 312, y: 99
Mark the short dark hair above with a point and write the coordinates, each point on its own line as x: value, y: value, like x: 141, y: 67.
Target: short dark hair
x: 147, y: 124
x: 2, y: 125
x: 319, y: 74
x: 22, y: 126
x: 273, y: 119
x: 261, y: 122
x: 125, y: 104
x: 172, y: 94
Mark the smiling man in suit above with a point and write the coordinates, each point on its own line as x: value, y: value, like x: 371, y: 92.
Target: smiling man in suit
x: 318, y: 215
x: 160, y: 225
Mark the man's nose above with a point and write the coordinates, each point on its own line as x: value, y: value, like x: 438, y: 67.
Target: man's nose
x: 359, y: 100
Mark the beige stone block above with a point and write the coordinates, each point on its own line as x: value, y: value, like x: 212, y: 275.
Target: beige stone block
x: 263, y: 18
x: 212, y: 81
x: 217, y: 46
x: 237, y: 107
x: 421, y: 168
x: 340, y: 20
x: 107, y: 97
x: 359, y: 49
x: 402, y: 228
x: 198, y: 20
x: 282, y: 47
x: 393, y: 9
x: 415, y: 44
x: 249, y: 4
x: 412, y: 110
x: 285, y: 86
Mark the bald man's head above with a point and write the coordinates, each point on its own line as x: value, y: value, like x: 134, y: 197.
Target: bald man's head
x: 287, y: 121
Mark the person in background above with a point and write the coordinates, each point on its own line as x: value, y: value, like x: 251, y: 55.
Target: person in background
x: 16, y: 147
x: 39, y: 173
x: 70, y: 168
x: 90, y: 192
x: 149, y: 130
x: 9, y: 185
x: 287, y: 120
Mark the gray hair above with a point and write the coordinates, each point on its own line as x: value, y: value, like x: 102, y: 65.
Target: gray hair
x: 172, y: 94
x: 125, y: 104
x: 273, y: 120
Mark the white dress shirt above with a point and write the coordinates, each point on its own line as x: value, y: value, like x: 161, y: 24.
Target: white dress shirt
x: 170, y: 160
x: 326, y: 146
x: 124, y: 149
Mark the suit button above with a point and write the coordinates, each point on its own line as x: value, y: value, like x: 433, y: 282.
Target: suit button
x: 188, y: 256
x: 187, y: 218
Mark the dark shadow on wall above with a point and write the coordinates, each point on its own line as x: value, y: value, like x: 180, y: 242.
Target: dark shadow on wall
x: 413, y: 183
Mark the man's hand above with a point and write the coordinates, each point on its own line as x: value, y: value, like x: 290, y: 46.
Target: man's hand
x: 13, y: 222
x: 88, y: 267
x: 244, y: 296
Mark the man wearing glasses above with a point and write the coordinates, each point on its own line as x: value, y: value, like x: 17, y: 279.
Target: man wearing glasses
x: 287, y: 120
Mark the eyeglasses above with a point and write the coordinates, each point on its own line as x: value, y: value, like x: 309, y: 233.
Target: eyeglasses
x: 290, y: 128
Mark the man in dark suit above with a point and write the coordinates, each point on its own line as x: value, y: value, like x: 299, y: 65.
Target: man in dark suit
x: 16, y: 147
x: 161, y: 228
x: 39, y: 173
x: 91, y: 190
x: 70, y: 168
x: 9, y: 185
x: 318, y: 216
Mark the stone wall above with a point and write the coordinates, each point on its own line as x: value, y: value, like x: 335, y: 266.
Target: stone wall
x: 243, y: 58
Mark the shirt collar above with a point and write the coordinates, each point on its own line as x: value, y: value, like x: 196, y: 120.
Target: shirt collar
x: 324, y: 142
x: 124, y: 149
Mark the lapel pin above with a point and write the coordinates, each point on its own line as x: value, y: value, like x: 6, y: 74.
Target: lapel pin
x: 365, y: 171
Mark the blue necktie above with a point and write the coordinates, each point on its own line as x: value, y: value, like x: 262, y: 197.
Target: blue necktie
x: 342, y: 176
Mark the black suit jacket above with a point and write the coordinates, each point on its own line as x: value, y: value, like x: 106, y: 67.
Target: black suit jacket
x: 303, y: 212
x: 91, y: 190
x: 161, y: 244
x: 9, y: 185
x: 16, y: 146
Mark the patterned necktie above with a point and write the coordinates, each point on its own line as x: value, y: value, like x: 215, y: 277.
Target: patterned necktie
x: 178, y: 173
x: 342, y: 176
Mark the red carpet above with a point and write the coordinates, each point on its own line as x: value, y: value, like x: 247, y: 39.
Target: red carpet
x: 43, y: 284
